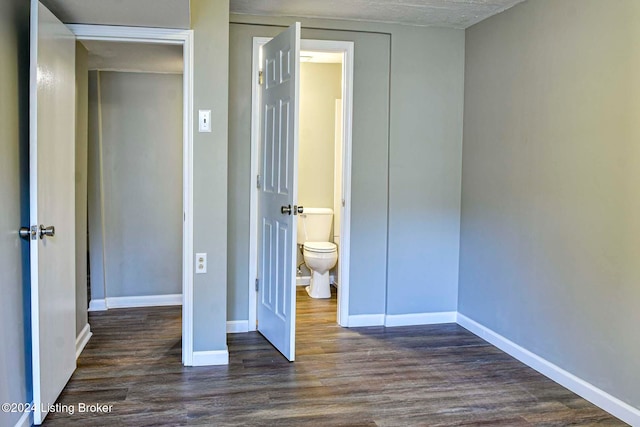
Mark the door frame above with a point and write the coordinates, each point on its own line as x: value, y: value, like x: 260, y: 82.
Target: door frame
x: 174, y: 37
x: 347, y: 48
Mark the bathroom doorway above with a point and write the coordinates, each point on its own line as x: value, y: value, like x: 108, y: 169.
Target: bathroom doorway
x: 319, y: 163
x: 324, y: 63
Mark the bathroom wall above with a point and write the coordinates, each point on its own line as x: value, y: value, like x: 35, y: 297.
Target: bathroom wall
x: 337, y: 182
x: 550, y: 205
x: 320, y: 86
x: 141, y: 202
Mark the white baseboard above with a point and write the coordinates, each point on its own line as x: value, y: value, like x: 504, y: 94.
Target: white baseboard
x: 237, y: 326
x: 303, y: 280
x: 26, y: 420
x: 209, y: 358
x: 144, y: 301
x: 412, y: 319
x: 420, y: 318
x: 82, y: 339
x: 135, y: 301
x: 361, y: 320
x: 598, y: 397
x: 593, y: 394
x: 97, y: 305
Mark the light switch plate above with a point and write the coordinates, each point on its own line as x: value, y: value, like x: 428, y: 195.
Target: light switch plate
x: 201, y: 263
x: 204, y: 120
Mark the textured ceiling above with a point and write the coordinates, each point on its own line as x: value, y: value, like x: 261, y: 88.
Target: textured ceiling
x: 176, y: 14
x: 135, y: 57
x: 441, y: 13
x: 135, y: 13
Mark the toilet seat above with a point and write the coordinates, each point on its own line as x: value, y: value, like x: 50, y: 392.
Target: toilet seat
x: 320, y: 247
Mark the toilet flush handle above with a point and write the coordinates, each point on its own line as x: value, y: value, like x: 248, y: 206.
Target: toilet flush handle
x: 298, y: 209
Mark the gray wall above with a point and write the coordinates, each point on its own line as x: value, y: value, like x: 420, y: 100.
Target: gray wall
x: 82, y: 112
x: 320, y: 86
x: 141, y: 124
x: 407, y: 139
x: 425, y: 156
x: 550, y: 205
x: 370, y: 141
x: 94, y: 192
x: 14, y: 113
x: 210, y: 22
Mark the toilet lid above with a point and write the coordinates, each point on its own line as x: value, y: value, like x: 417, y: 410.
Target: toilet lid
x: 323, y: 247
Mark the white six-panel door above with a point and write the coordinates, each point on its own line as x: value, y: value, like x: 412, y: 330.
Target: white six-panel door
x: 52, y: 203
x: 276, y: 315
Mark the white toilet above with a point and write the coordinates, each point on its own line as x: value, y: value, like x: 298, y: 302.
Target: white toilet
x: 320, y: 255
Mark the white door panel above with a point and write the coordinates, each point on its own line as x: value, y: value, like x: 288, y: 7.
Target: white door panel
x: 278, y: 169
x: 52, y: 203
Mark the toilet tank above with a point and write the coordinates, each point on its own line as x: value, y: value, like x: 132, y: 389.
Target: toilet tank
x: 314, y: 225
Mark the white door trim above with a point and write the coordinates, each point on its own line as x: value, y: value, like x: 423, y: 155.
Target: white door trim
x: 345, y: 225
x: 184, y: 38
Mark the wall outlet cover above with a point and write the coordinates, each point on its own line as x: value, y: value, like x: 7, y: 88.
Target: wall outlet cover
x: 201, y: 263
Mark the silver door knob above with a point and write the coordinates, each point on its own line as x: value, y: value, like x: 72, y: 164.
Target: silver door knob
x: 28, y: 232
x: 298, y: 209
x: 47, y: 231
x: 285, y: 210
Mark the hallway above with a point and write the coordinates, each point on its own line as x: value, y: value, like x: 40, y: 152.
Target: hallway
x: 438, y: 375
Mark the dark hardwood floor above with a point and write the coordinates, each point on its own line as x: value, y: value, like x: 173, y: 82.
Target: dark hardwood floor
x: 437, y: 375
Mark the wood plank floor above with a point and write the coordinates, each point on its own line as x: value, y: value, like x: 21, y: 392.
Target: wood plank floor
x: 438, y: 375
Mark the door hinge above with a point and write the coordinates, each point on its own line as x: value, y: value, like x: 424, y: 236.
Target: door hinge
x: 260, y: 78
x: 257, y: 284
x: 258, y: 181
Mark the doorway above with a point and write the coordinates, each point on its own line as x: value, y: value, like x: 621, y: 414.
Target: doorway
x: 184, y: 40
x: 134, y: 173
x: 341, y: 193
x: 319, y: 164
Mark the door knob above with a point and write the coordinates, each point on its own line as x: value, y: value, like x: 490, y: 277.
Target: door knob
x: 285, y: 210
x: 298, y: 209
x: 47, y: 231
x: 28, y: 232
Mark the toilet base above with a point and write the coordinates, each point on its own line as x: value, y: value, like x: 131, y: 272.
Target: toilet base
x: 319, y: 286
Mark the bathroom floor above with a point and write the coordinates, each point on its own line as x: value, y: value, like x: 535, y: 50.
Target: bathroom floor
x: 313, y: 313
x: 437, y: 375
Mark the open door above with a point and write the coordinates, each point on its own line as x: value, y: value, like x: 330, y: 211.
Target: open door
x: 52, y: 206
x: 278, y: 190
